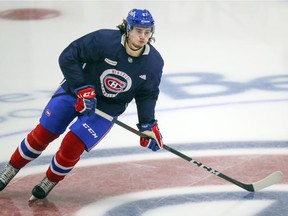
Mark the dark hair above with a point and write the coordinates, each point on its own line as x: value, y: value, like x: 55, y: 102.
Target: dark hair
x: 123, y: 26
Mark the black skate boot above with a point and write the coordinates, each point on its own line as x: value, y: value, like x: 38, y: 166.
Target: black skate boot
x: 41, y: 190
x: 6, y: 175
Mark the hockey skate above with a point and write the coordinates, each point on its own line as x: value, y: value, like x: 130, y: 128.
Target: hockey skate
x: 6, y: 175
x: 41, y: 190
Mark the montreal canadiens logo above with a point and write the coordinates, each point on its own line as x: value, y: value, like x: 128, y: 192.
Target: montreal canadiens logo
x: 114, y: 82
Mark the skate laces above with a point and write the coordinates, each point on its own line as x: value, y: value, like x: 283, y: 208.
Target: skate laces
x: 8, y: 173
x: 47, y: 185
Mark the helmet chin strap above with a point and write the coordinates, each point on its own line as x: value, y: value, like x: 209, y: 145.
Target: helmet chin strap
x: 134, y: 49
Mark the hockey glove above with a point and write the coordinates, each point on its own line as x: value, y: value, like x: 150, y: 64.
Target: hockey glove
x: 86, y: 102
x: 154, y: 142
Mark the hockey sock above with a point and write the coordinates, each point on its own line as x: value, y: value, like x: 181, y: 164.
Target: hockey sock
x: 32, y: 146
x: 66, y: 157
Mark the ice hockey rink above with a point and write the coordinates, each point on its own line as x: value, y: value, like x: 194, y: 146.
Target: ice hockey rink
x: 223, y: 102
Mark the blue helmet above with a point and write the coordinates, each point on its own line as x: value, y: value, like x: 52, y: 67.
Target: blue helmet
x: 139, y: 18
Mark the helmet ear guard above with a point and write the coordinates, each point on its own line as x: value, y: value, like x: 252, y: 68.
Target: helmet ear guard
x: 139, y: 18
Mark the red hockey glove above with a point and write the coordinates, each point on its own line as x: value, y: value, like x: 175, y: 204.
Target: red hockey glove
x: 86, y: 102
x: 155, y: 141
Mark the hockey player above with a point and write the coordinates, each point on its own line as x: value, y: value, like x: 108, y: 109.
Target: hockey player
x: 105, y: 69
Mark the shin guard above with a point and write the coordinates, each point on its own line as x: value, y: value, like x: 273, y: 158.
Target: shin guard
x: 66, y: 157
x: 32, y: 146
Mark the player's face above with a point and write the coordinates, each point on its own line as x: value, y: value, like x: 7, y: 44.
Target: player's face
x: 139, y: 37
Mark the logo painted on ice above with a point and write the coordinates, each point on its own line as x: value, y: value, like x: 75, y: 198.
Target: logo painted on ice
x: 114, y: 82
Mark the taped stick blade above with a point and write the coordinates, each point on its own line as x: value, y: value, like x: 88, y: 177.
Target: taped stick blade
x: 32, y: 199
x: 272, y: 179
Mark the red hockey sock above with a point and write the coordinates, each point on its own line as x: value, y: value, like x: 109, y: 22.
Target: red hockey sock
x: 32, y: 146
x: 66, y: 157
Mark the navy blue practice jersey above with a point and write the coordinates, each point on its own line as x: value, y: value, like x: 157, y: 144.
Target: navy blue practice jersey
x: 100, y: 59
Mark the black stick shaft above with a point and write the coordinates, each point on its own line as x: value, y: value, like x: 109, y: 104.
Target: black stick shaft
x: 248, y: 187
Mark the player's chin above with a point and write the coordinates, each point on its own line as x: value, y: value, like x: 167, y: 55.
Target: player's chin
x: 141, y: 44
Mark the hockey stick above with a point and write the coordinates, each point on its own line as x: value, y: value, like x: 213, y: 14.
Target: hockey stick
x: 269, y: 180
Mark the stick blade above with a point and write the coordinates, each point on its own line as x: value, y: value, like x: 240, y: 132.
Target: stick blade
x: 32, y: 199
x: 268, y: 181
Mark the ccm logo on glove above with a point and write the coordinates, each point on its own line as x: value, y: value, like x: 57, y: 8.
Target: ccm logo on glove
x: 89, y: 94
x: 86, y: 101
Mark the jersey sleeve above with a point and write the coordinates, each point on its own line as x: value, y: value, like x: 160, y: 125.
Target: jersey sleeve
x: 146, y: 102
x: 146, y: 98
x: 75, y: 55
